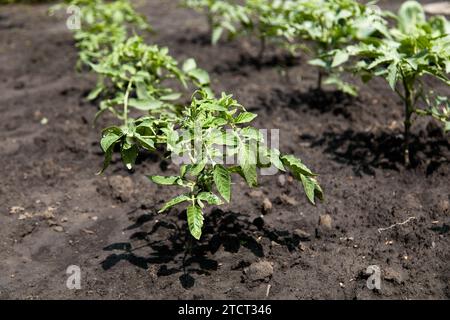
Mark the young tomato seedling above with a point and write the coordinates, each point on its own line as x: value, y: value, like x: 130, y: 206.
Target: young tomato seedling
x: 414, y: 49
x: 329, y: 26
x: 208, y: 133
x: 222, y: 16
x: 134, y: 75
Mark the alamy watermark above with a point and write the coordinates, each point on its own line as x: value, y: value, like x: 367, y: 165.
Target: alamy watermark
x: 74, y: 279
x: 249, y: 146
x: 374, y: 280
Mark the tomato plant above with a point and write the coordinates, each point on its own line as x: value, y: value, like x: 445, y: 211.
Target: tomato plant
x: 209, y: 131
x: 103, y: 25
x: 415, y: 48
x: 222, y: 16
x: 328, y: 27
x: 135, y: 75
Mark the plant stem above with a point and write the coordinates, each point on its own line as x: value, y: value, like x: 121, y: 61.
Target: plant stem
x: 319, y: 80
x: 210, y: 20
x: 262, y: 48
x: 409, y: 109
x: 125, y: 103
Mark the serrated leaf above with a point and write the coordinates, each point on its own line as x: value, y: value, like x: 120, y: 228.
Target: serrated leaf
x: 171, y: 97
x: 195, y: 169
x: 173, y: 202
x: 209, y: 197
x: 195, y: 221
x: 222, y: 179
x: 165, y: 180
x: 247, y: 161
x: 447, y: 127
x: 145, y: 105
x: 275, y: 159
x: 252, y: 133
x: 244, y: 117
x: 106, y: 161
x: 309, y: 188
x: 109, y: 140
x: 296, y: 165
x: 189, y: 65
x: 147, y: 143
x: 200, y: 75
x: 141, y: 91
x: 318, y: 63
x: 392, y: 75
x: 129, y: 156
x: 339, y: 58
x: 217, y: 33
x: 95, y: 93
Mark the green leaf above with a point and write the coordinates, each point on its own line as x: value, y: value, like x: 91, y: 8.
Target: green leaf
x: 217, y: 33
x: 163, y: 180
x: 195, y: 169
x: 339, y: 58
x: 410, y: 15
x: 145, y: 105
x: 318, y: 63
x: 141, y: 91
x: 222, y: 179
x: 109, y: 140
x: 392, y: 75
x: 252, y: 133
x: 214, y: 107
x: 209, y: 197
x: 275, y: 159
x: 200, y: 75
x: 95, y: 93
x: 245, y: 117
x: 447, y: 127
x: 129, y: 155
x: 309, y: 187
x: 195, y: 221
x: 106, y: 161
x: 174, y: 201
x: 147, y: 143
x: 171, y: 97
x: 247, y: 161
x: 296, y: 165
x: 189, y: 65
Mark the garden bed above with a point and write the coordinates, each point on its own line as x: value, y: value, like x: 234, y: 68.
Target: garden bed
x: 56, y: 212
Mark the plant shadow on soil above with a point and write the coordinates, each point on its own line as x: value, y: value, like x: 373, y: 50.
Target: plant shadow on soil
x: 362, y: 150
x: 248, y: 62
x: 367, y: 150
x: 323, y: 101
x: 174, y: 250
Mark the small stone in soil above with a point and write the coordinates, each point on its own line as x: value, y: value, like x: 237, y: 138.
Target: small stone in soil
x: 302, y: 234
x: 122, y: 187
x: 259, y: 271
x: 325, y: 221
x: 393, y: 275
x: 281, y: 180
x: 16, y: 209
x: 266, y: 206
x: 58, y: 229
x: 288, y: 200
x: 256, y: 194
x: 444, y: 206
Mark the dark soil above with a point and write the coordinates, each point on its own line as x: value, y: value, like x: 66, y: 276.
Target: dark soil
x: 55, y: 212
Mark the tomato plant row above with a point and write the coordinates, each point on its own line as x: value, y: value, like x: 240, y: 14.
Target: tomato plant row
x: 141, y: 85
x: 345, y: 35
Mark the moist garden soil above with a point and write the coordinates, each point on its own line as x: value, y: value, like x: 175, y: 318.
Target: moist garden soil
x: 56, y: 212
